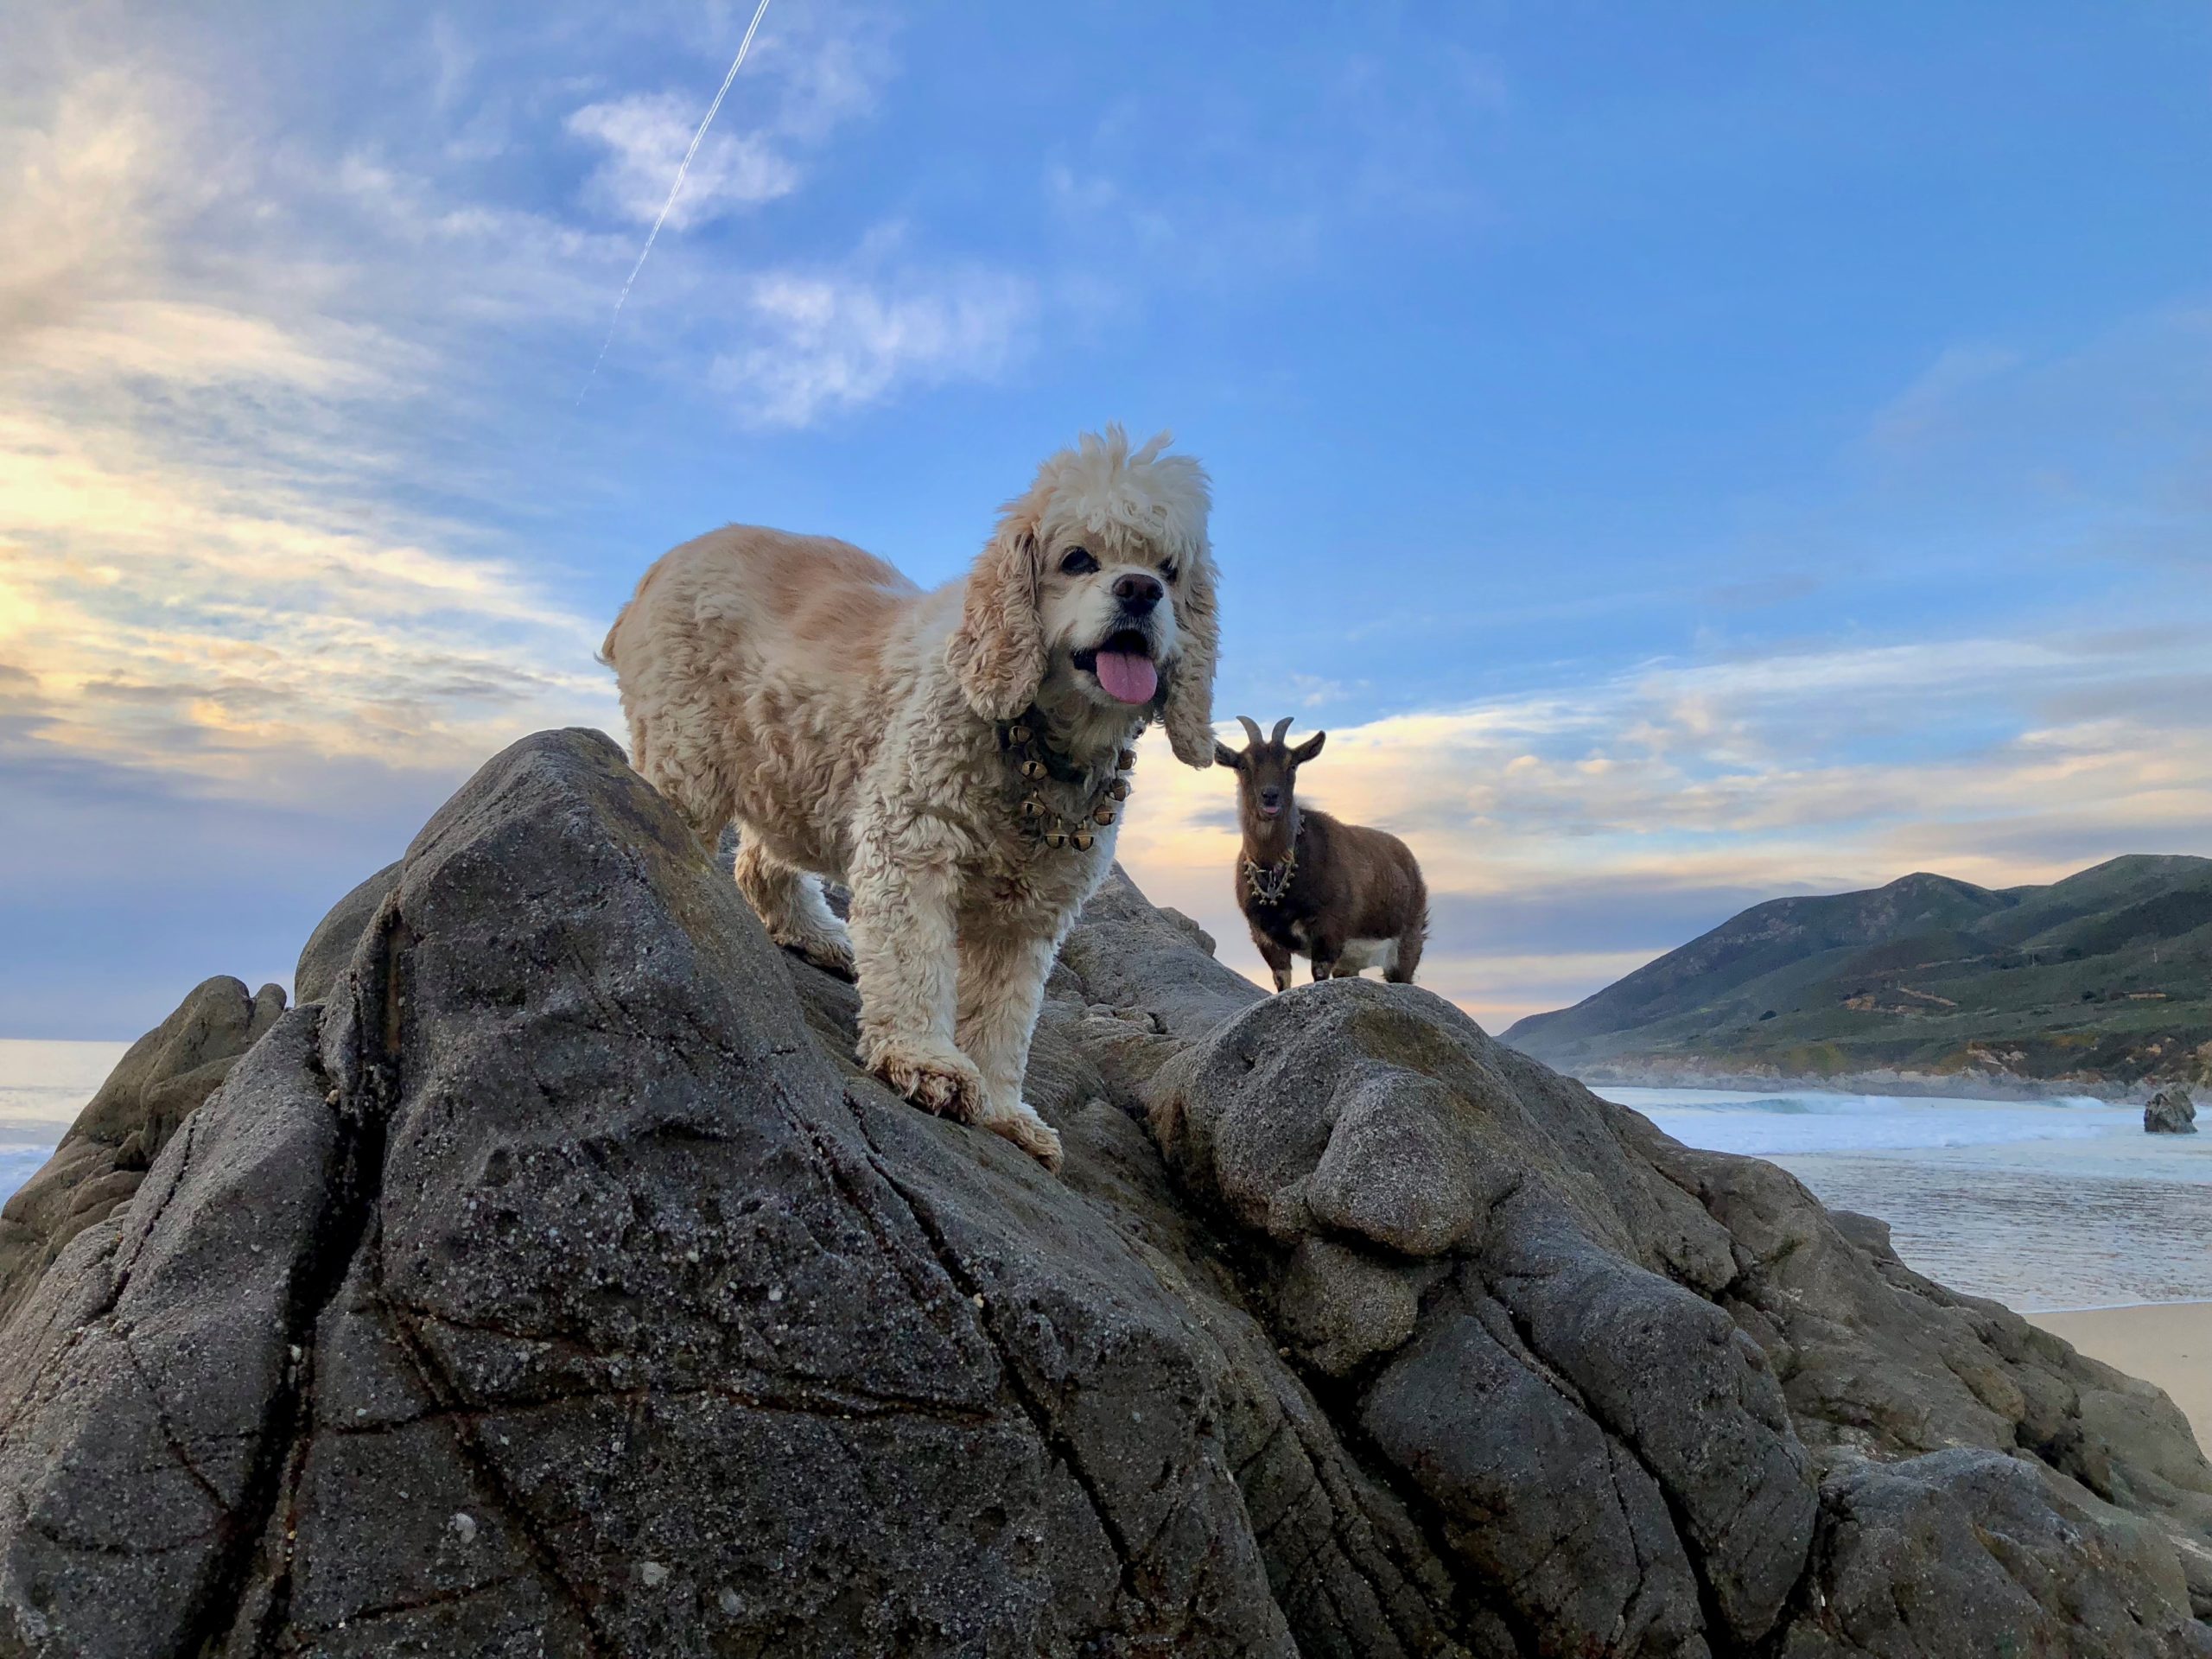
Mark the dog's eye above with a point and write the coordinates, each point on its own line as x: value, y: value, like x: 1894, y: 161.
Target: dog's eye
x: 1078, y: 562
x: 1167, y: 571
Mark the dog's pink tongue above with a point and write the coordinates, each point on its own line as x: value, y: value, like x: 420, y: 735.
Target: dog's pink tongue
x: 1127, y: 677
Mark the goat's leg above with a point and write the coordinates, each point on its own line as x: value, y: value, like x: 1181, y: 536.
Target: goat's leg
x: 1277, y: 956
x: 907, y: 960
x: 789, y: 905
x: 1327, y: 947
x: 1409, y: 957
x: 1002, y: 985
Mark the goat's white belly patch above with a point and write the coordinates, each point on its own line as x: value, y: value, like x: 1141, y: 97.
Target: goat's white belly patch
x: 1370, y: 953
x: 1358, y: 953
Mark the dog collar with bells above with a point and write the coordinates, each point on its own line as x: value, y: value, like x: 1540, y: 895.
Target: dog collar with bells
x: 1036, y: 760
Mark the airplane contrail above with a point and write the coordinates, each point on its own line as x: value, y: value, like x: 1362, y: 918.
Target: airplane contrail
x: 683, y: 167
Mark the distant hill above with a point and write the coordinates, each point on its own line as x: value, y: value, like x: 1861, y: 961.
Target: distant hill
x: 2102, y: 979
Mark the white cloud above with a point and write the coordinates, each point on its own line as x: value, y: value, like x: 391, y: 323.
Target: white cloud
x: 824, y: 343
x: 646, y: 136
x: 808, y: 74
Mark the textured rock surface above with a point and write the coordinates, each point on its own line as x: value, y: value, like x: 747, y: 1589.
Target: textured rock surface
x: 331, y: 946
x: 557, y: 1286
x: 159, y: 1082
x: 2170, y: 1111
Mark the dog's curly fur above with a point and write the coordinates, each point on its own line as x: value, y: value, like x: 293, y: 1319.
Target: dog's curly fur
x: 846, y: 722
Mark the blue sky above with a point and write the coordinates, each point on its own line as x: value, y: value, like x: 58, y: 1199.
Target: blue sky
x: 1682, y: 454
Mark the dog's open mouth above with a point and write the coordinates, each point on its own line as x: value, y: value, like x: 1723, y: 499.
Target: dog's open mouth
x: 1123, y: 665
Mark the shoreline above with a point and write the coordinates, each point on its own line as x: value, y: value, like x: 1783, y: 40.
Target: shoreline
x: 1900, y: 1085
x: 2169, y: 1343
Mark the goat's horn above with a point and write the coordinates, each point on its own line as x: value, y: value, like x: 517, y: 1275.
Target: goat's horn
x: 1251, y: 730
x: 1281, y: 725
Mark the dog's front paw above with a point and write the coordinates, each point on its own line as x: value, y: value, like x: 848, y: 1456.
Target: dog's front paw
x: 1031, y: 1133
x: 833, y: 954
x: 941, y: 1081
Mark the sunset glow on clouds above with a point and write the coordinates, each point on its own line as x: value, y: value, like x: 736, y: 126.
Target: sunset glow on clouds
x: 1630, y: 591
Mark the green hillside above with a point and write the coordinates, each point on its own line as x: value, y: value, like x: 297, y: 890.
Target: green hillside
x: 2103, y: 978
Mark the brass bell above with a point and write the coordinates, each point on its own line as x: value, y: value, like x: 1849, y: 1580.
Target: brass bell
x: 1032, y: 770
x: 1032, y: 808
x: 1103, y: 815
x: 1055, y: 839
x: 1128, y: 759
x: 1119, y: 789
x: 1082, y: 839
x: 1017, y: 733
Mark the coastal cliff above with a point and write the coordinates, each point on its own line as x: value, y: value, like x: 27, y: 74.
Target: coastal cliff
x: 552, y: 1282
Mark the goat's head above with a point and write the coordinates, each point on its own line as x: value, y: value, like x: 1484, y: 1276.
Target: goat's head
x: 1267, y: 771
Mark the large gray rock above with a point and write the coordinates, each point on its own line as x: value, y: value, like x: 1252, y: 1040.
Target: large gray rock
x: 159, y: 1082
x: 558, y: 1286
x: 2170, y: 1111
x: 331, y: 946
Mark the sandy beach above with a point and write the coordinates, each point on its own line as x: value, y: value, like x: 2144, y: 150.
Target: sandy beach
x: 2169, y: 1343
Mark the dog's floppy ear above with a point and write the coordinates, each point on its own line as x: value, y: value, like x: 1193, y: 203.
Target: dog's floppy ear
x: 997, y: 653
x: 1188, y: 713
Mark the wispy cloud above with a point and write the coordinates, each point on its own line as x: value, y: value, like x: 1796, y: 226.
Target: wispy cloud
x: 231, y: 366
x: 810, y: 75
x: 204, y: 571
x: 646, y: 135
x: 821, y: 342
x: 1380, y: 136
x: 1919, y: 410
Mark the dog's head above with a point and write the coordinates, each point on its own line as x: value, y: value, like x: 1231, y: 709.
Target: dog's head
x: 1096, y: 592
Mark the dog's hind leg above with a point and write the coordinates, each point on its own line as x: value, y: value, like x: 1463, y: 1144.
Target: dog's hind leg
x: 685, y: 775
x: 789, y: 905
x: 1001, y: 986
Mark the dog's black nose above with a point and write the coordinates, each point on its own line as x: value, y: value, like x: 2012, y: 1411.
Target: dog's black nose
x: 1138, y: 592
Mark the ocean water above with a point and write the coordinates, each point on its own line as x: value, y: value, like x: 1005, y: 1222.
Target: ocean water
x: 2041, y: 1205
x: 42, y: 1088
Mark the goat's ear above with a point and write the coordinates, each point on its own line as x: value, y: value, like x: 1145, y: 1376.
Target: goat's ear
x: 1188, y: 714
x: 1225, y: 756
x: 997, y: 653
x: 1308, y: 749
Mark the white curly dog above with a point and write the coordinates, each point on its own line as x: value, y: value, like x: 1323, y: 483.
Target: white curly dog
x: 951, y: 756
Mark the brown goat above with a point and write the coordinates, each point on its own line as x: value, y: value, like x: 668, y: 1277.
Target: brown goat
x: 1309, y: 884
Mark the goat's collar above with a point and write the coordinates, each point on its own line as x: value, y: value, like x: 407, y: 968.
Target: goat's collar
x: 1268, y: 883
x: 1025, y: 742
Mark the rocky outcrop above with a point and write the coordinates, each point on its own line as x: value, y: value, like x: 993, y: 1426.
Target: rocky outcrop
x: 557, y: 1285
x: 331, y: 946
x: 2170, y: 1111
x: 159, y: 1082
